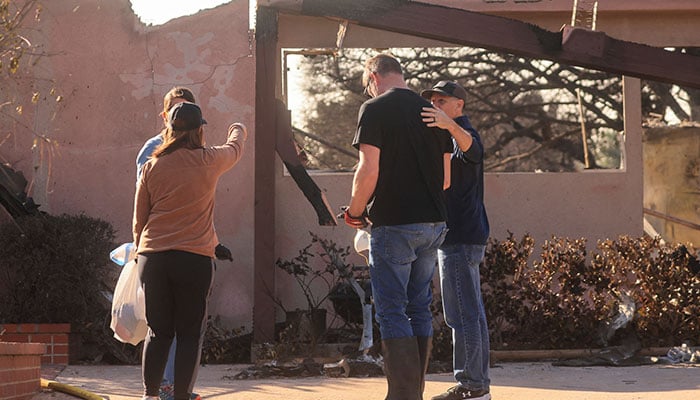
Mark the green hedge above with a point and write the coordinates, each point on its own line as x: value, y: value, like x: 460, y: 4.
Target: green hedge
x: 56, y: 269
x: 53, y: 268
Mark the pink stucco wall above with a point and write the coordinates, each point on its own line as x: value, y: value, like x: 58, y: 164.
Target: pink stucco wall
x: 112, y: 72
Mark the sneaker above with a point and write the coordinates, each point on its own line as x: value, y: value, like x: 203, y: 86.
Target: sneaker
x: 459, y: 392
x: 166, y: 391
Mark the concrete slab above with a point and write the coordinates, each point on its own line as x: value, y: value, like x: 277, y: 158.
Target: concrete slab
x: 510, y: 381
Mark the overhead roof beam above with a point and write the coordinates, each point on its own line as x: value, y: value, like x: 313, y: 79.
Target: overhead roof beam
x: 575, y: 46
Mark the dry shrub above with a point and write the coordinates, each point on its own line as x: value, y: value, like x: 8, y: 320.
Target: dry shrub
x: 567, y: 298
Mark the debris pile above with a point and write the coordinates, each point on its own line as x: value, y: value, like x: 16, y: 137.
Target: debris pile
x: 13, y: 196
x: 294, y: 369
x: 362, y: 366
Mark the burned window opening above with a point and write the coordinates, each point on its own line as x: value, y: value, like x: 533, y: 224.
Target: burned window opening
x: 528, y: 111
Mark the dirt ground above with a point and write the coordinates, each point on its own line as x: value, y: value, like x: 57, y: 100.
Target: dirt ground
x: 510, y: 381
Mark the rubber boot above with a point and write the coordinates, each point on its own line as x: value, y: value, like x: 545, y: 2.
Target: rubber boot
x: 425, y: 348
x: 402, y: 367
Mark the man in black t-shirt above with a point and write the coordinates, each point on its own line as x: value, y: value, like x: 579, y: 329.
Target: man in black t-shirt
x: 403, y: 170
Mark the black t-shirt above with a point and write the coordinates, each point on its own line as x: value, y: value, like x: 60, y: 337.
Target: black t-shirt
x: 409, y: 187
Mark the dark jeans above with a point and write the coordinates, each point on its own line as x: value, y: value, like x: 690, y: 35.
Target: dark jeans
x: 177, y: 285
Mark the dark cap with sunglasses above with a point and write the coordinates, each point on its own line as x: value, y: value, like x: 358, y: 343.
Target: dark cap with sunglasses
x: 447, y: 88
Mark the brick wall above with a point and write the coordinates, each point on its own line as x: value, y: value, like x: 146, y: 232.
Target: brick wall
x: 20, y: 370
x: 54, y: 336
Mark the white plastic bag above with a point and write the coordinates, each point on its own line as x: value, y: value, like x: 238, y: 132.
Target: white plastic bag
x: 129, y: 306
x: 362, y: 244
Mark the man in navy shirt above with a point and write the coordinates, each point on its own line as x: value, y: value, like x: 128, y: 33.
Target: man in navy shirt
x: 463, y: 249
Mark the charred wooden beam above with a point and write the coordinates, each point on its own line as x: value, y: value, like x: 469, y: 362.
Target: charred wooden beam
x: 575, y: 46
x: 288, y: 153
x: 13, y: 194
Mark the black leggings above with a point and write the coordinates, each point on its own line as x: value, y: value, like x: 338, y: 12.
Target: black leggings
x: 177, y: 285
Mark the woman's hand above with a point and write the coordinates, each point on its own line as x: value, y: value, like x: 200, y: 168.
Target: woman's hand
x: 238, y: 130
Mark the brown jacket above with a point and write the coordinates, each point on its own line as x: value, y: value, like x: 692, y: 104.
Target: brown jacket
x: 174, y: 203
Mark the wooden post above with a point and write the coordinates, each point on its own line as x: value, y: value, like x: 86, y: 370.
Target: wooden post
x: 584, y: 139
x: 266, y: 73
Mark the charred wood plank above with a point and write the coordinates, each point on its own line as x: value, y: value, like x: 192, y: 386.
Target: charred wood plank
x: 288, y: 153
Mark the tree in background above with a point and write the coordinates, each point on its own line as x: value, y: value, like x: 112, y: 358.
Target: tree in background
x: 13, y: 45
x: 19, y: 56
x: 532, y: 114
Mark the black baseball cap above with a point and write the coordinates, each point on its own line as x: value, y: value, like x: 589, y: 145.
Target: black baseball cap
x: 448, y: 88
x: 185, y: 116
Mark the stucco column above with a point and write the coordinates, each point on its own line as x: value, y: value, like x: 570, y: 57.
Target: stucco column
x: 633, y: 162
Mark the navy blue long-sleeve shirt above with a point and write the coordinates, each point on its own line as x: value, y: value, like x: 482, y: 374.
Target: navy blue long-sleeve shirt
x: 466, y: 215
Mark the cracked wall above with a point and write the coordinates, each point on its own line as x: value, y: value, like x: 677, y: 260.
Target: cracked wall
x: 112, y: 72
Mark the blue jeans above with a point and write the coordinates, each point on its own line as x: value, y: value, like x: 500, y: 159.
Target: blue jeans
x: 169, y: 375
x: 464, y: 313
x: 402, y: 263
